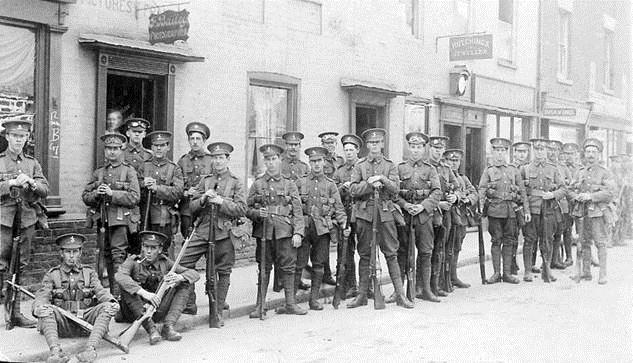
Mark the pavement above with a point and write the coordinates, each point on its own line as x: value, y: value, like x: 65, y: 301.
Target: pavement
x: 26, y: 345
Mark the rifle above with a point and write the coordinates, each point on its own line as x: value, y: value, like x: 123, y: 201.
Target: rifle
x: 211, y: 283
x: 339, y: 292
x: 103, y: 236
x: 14, y: 266
x: 411, y: 263
x: 148, y: 205
x: 448, y: 282
x: 262, y: 274
x: 482, y: 249
x: 128, y: 333
x: 70, y: 316
x: 374, y: 265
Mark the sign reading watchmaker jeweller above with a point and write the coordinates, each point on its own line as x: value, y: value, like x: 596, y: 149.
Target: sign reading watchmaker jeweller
x: 470, y: 47
x: 168, y: 26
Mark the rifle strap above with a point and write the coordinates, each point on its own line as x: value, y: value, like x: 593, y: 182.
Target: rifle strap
x: 122, y: 179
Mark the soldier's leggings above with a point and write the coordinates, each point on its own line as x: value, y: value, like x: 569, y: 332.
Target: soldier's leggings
x: 350, y: 264
x: 57, y: 325
x: 386, y: 238
x: 280, y: 252
x: 169, y: 310
x: 594, y: 229
x: 198, y: 247
x: 6, y: 243
x: 315, y: 248
x: 423, y: 242
x: 532, y: 233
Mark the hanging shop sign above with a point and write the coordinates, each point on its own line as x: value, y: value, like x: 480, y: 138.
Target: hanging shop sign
x: 470, y: 47
x: 566, y: 112
x: 169, y: 26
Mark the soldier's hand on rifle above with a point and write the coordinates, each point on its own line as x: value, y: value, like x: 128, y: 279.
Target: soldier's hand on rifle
x: 44, y: 311
x: 347, y: 184
x: 149, y: 297
x: 444, y: 205
x: 263, y: 213
x: 346, y: 232
x: 150, y: 183
x: 451, y: 198
x: 217, y: 200
x: 172, y: 279
x: 296, y: 240
x: 584, y: 197
x: 548, y: 195
x: 528, y: 217
x: 112, y: 308
x: 374, y: 179
x: 104, y: 189
x: 20, y: 181
x: 189, y: 192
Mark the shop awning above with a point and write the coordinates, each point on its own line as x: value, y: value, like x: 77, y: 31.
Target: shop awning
x: 138, y: 47
x: 610, y: 122
x: 371, y: 86
x: 462, y: 103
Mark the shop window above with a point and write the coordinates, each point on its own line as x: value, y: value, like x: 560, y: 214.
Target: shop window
x: 505, y: 127
x: 608, y: 68
x: 564, y: 133
x: 272, y: 103
x: 506, y: 30
x: 564, y: 40
x: 17, y: 75
x: 412, y: 16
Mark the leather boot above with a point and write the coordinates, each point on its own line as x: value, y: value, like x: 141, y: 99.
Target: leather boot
x: 260, y: 299
x: 327, y: 272
x: 456, y: 281
x: 88, y: 355
x: 56, y: 355
x: 515, y: 267
x: 315, y: 288
x: 99, y: 329
x: 527, y: 263
x: 507, y: 266
x: 363, y: 288
x: 224, y: 281
x: 586, y: 263
x: 394, y: 273
x: 495, y: 251
x: 150, y: 328
x: 535, y: 269
x: 169, y: 333
x: 289, y: 292
x: 546, y: 272
x: 425, y: 269
x: 191, y: 308
x: 602, y: 257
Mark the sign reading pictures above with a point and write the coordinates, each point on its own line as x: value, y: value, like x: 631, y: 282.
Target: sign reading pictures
x: 566, y: 112
x: 169, y: 26
x: 470, y: 47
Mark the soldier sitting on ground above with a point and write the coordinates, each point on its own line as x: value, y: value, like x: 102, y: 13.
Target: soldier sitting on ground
x: 140, y: 277
x: 76, y: 288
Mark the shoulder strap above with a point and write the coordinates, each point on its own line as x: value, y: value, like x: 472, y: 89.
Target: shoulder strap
x: 123, y: 177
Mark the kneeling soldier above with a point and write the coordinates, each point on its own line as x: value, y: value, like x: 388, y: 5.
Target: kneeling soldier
x: 140, y: 278
x: 76, y: 288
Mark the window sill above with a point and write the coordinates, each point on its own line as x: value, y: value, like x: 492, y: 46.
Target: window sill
x: 506, y: 63
x: 564, y: 80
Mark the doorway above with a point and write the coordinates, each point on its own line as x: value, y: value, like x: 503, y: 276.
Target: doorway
x: 368, y: 117
x: 471, y: 143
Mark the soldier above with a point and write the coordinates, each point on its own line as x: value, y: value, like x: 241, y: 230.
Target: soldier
x: 75, y: 288
x: 332, y: 162
x: 223, y: 189
x: 114, y: 189
x: 342, y: 178
x: 562, y: 235
x: 593, y: 188
x: 194, y: 164
x: 442, y: 217
x: 323, y: 214
x: 140, y: 278
x: 275, y: 204
x: 502, y: 189
x: 420, y: 193
x: 520, y: 157
x: 135, y: 155
x: 467, y: 199
x: 375, y: 172
x: 21, y: 178
x: 544, y: 188
x: 163, y: 187
x: 624, y: 228
x: 292, y: 168
x: 570, y: 156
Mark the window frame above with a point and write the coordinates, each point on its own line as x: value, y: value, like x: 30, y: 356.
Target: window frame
x: 564, y: 67
x: 503, y: 61
x: 608, y: 75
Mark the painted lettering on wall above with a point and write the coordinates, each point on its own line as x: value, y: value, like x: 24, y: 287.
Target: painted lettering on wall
x: 54, y: 134
x: 121, y: 6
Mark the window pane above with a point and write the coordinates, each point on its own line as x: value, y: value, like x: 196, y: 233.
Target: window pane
x: 408, y: 14
x: 491, y: 131
x: 518, y: 129
x: 268, y: 116
x: 504, y: 127
x: 505, y: 10
x: 564, y: 134
x: 414, y: 119
x: 460, y: 20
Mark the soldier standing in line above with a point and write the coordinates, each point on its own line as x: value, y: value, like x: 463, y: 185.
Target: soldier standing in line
x: 225, y: 190
x: 501, y: 186
x: 593, y: 188
x: 21, y: 177
x: 342, y: 178
x: 135, y: 155
x: 375, y: 172
x: 140, y: 278
x: 194, y: 164
x: 332, y: 162
x: 562, y: 235
x: 294, y: 169
x: 467, y: 199
x: 163, y: 187
x: 323, y: 214
x: 420, y: 193
x: 625, y: 232
x: 442, y: 216
x: 520, y: 157
x: 75, y: 288
x: 544, y: 187
x: 275, y: 205
x: 114, y: 189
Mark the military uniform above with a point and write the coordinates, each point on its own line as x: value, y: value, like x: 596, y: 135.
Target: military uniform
x: 593, y: 188
x: 387, y: 237
x: 137, y: 274
x: 539, y: 177
x: 562, y: 234
x: 323, y: 213
x: 520, y: 146
x: 76, y: 289
x: 229, y: 187
x: 342, y: 175
x: 162, y: 211
x: 502, y: 189
x: 280, y: 197
x: 293, y: 168
x: 461, y: 215
x: 32, y: 196
x: 194, y: 166
x: 442, y: 222
x: 419, y: 186
x: 121, y: 207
